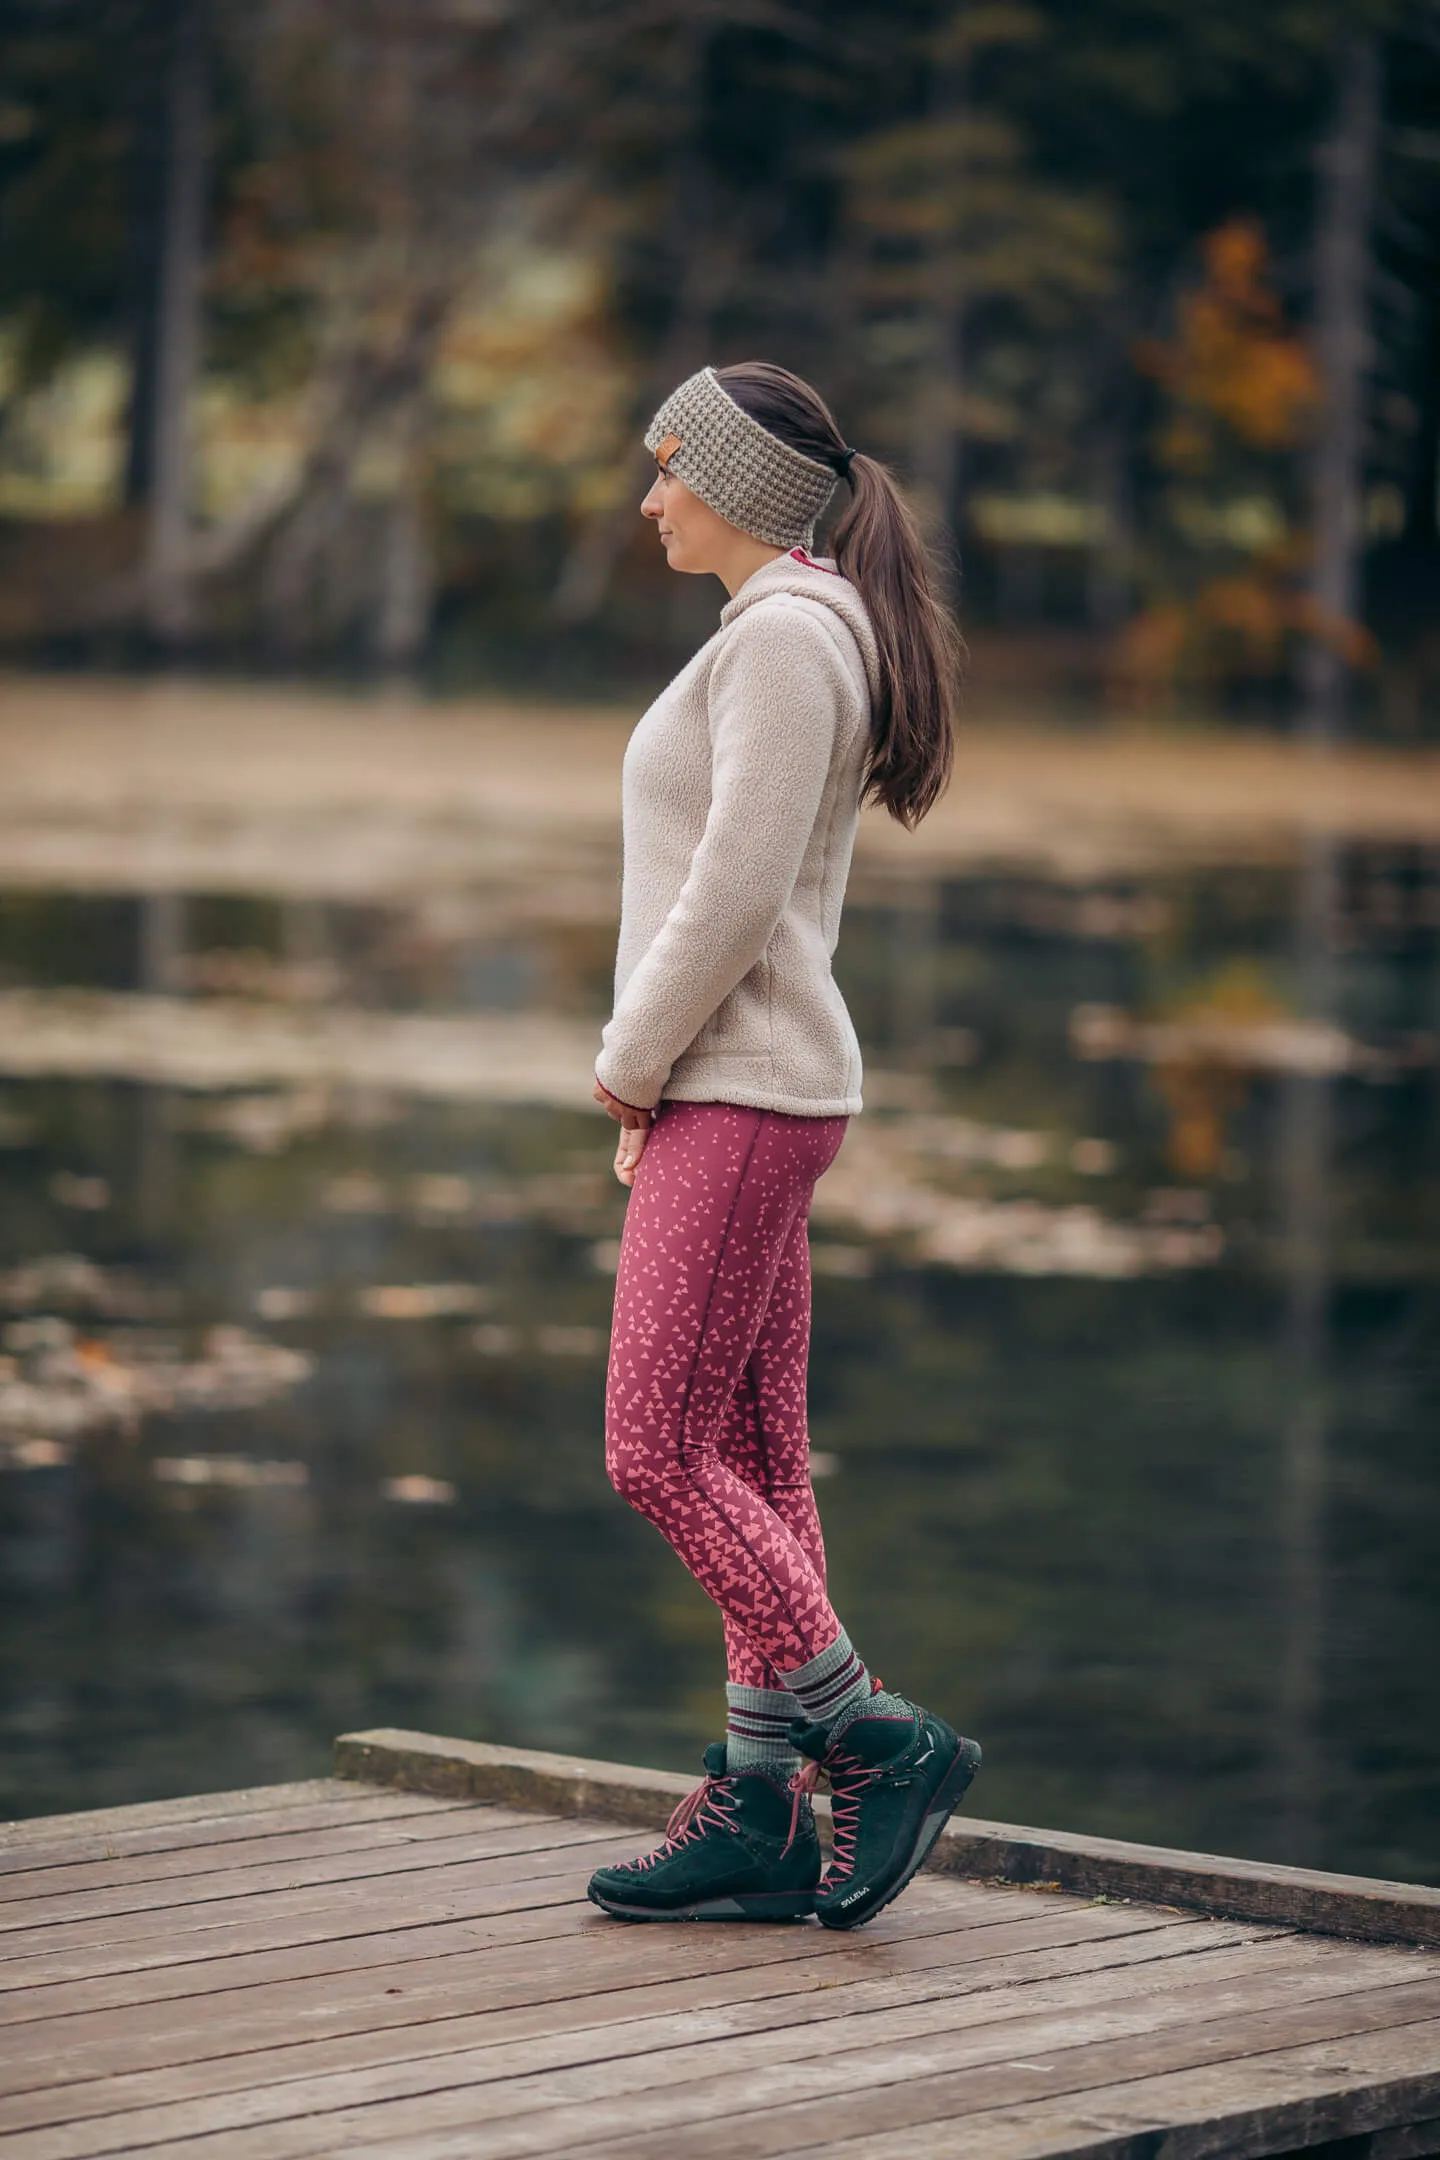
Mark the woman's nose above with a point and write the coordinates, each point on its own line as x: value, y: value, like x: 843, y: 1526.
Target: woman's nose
x: 651, y: 505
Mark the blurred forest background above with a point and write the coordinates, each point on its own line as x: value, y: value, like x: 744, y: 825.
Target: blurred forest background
x: 328, y: 328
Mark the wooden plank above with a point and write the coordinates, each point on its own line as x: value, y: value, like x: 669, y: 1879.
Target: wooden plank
x: 324, y: 1912
x: 161, y: 1814
x: 1238, y: 1889
x: 533, y: 1910
x: 1353, y: 2088
x: 697, y: 2117
x: 491, y: 1969
x: 879, y: 2098
x: 341, y: 1926
x: 273, y: 1918
x: 101, y: 1841
x: 34, y: 1921
x: 487, y: 2084
x: 283, y: 1838
x: 1183, y: 1954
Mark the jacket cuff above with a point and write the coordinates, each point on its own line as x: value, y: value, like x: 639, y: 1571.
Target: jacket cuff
x: 623, y: 1100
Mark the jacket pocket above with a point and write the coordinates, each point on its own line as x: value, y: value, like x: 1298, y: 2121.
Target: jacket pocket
x: 739, y: 1025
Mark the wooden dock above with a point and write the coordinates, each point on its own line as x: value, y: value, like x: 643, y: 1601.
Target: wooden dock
x: 409, y: 1968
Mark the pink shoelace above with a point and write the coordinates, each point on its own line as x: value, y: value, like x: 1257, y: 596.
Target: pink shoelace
x: 802, y: 1785
x: 844, y: 1804
x: 711, y: 1806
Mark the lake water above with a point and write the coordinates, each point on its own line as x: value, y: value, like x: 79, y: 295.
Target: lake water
x: 1124, y: 1387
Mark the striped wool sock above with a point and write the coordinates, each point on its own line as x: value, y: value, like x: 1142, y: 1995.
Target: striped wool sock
x: 757, y: 1730
x: 835, y: 1686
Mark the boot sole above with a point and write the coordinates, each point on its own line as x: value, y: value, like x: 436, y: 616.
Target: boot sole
x: 948, y: 1794
x: 759, y: 1905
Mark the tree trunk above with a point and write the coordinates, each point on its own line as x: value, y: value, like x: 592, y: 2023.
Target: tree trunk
x: 938, y: 445
x: 702, y: 266
x: 1422, y: 495
x: 1347, y: 162
x: 406, y: 594
x: 168, y: 568
x: 144, y: 214
x: 1108, y: 572
x: 289, y: 585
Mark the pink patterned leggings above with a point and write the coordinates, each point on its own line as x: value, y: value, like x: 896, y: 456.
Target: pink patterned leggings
x: 705, y: 1430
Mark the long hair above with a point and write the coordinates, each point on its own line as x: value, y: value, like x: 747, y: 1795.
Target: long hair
x: 878, y: 545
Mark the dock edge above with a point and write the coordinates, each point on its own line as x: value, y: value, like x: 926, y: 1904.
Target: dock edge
x: 1308, y: 1898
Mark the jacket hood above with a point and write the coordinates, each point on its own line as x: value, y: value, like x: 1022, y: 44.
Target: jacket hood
x: 814, y: 578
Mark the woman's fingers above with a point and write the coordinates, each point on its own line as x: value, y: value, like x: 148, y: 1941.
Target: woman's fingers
x: 634, y: 1125
x: 629, y: 1149
x: 623, y: 1112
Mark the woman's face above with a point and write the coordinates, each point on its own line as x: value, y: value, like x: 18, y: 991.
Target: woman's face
x: 694, y: 537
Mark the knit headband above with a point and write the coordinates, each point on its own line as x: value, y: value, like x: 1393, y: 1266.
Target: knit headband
x: 754, y: 480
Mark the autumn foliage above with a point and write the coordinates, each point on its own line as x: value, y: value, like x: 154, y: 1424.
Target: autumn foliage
x: 1234, y: 367
x: 1241, y: 399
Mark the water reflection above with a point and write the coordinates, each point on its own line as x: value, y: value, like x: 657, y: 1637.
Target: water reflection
x: 1306, y: 1175
x: 1124, y: 1377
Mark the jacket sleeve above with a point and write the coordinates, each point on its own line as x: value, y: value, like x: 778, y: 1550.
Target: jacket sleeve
x: 778, y: 693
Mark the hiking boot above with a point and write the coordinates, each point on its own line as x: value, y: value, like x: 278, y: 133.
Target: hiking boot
x: 893, y: 1785
x: 737, y: 1848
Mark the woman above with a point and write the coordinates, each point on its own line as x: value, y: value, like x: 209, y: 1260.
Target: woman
x: 732, y: 1067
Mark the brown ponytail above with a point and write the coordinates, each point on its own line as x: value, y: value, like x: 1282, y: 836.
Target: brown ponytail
x: 878, y: 545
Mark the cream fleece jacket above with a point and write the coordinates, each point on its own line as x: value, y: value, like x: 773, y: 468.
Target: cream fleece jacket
x: 740, y: 792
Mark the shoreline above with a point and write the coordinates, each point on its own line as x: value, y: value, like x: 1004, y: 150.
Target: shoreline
x: 165, y: 785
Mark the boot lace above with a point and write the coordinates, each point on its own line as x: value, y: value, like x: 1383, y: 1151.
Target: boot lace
x: 711, y: 1806
x: 848, y: 1777
x: 844, y: 1804
x: 802, y: 1785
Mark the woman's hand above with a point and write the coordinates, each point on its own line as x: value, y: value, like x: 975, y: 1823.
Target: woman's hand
x: 634, y: 1127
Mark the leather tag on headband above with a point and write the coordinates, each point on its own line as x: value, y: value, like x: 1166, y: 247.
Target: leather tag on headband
x: 666, y: 450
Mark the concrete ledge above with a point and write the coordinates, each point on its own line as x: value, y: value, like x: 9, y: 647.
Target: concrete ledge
x: 999, y: 1852
x: 511, y: 1777
x: 1354, y: 1905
